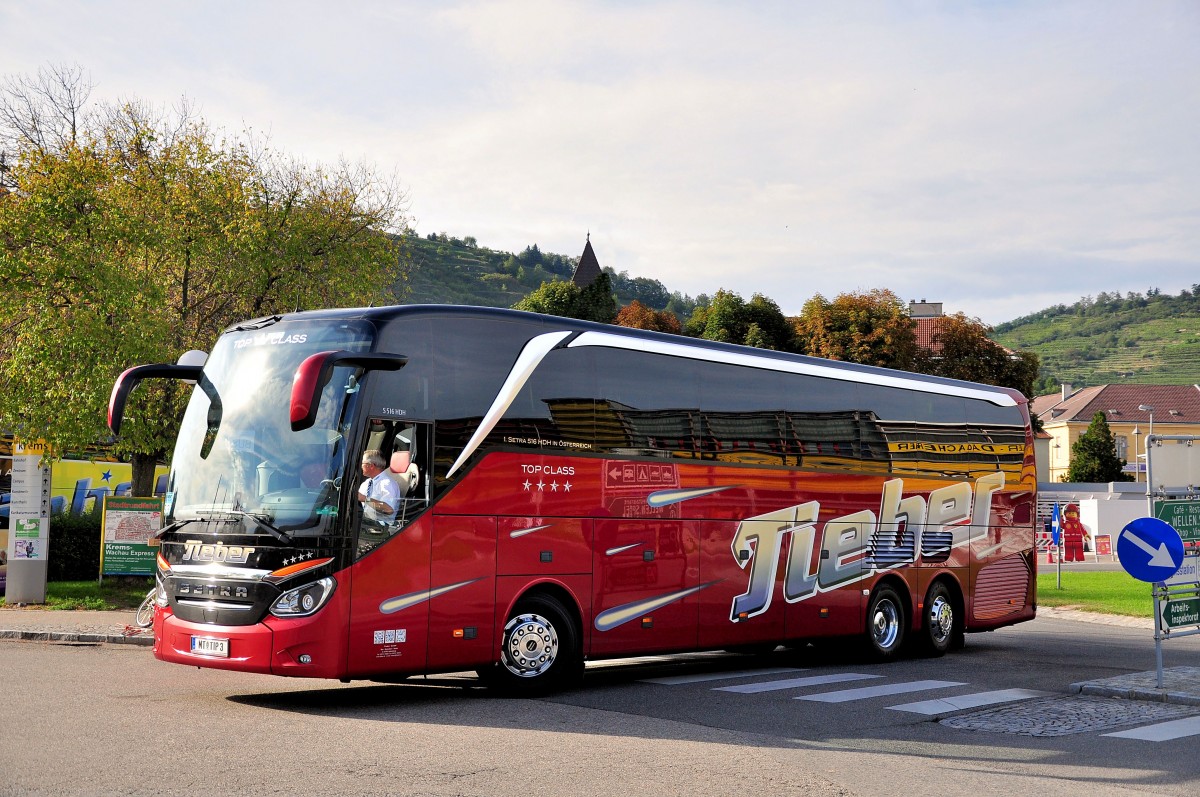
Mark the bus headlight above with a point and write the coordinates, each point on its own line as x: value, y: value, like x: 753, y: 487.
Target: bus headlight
x: 305, y: 600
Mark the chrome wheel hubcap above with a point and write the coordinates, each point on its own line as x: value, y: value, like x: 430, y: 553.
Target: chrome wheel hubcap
x: 530, y: 645
x: 885, y: 624
x: 941, y: 619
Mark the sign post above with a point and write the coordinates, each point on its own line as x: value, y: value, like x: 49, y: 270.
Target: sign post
x: 29, y: 525
x: 1150, y: 550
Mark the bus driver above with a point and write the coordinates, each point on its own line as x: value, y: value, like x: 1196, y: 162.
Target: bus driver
x: 379, y: 494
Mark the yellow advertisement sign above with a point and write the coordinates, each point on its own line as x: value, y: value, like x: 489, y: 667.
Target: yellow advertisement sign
x: 79, y: 486
x: 986, y: 449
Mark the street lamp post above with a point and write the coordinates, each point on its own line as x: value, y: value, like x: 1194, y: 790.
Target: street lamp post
x: 1149, y: 409
x: 1137, y: 468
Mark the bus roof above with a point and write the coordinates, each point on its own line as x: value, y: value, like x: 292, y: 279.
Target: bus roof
x: 666, y: 343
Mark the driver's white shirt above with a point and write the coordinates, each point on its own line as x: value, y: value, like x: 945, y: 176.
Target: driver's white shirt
x: 380, y: 488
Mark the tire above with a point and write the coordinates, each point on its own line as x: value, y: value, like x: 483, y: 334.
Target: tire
x: 940, y: 621
x: 539, y: 651
x: 145, y: 612
x: 884, y: 635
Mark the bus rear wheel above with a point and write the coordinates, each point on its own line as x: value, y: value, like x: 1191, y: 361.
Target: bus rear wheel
x: 885, y: 624
x: 539, y: 651
x: 941, y: 627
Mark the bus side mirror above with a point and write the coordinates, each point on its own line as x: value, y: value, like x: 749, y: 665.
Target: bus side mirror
x: 128, y: 380
x: 314, y: 373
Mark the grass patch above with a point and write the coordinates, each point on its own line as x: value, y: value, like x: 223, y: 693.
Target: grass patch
x: 1104, y: 591
x: 115, y: 594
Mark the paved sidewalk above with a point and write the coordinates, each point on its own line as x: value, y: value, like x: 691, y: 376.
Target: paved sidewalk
x: 78, y: 626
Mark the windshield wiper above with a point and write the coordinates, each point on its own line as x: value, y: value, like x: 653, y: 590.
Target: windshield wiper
x: 264, y: 522
x: 177, y: 524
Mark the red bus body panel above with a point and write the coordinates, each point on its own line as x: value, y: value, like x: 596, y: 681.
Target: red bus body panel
x: 644, y: 553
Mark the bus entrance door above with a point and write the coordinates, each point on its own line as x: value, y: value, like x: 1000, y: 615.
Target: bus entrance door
x: 389, y: 604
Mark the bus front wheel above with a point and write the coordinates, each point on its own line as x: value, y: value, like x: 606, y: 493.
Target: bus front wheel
x: 540, y: 649
x: 885, y: 623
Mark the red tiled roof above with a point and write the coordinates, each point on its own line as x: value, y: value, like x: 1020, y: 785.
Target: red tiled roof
x: 926, y: 328
x: 1120, y: 404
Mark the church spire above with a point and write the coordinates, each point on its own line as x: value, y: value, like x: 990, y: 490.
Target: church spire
x: 587, y: 270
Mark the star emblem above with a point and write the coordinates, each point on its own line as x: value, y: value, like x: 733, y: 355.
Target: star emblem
x: 106, y: 476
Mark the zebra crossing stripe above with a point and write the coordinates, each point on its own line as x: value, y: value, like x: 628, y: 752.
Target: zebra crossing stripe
x: 864, y: 692
x: 794, y: 683
x: 1162, y: 731
x: 675, y: 680
x: 949, y: 705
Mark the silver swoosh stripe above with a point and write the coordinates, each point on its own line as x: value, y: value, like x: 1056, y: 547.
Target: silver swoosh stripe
x: 530, y: 357
x: 619, y: 615
x: 609, y: 340
x: 393, y: 605
x: 522, y: 532
x: 986, y: 552
x: 622, y: 549
x: 666, y: 497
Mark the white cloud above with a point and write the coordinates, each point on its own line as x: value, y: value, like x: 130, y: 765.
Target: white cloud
x: 987, y: 156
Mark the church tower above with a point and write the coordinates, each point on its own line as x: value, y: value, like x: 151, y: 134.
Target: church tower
x: 588, y: 268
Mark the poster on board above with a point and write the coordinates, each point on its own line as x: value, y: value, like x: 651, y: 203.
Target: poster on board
x: 128, y: 545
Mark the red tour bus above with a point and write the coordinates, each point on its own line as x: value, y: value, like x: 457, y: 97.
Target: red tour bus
x: 564, y: 491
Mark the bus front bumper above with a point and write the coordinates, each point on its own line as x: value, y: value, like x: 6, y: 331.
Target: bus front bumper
x: 301, y: 647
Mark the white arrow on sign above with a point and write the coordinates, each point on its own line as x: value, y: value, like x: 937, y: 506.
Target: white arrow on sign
x: 1158, y: 558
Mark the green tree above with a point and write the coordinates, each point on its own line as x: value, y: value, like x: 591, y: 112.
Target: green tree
x: 566, y: 299
x: 1094, y: 455
x: 872, y: 328
x: 730, y: 319
x: 130, y: 236
x: 962, y: 350
x: 556, y: 297
x: 596, y: 302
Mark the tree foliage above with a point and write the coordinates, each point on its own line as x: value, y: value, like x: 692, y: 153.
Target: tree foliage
x: 1094, y: 455
x: 555, y: 297
x: 872, y: 328
x: 596, y: 302
x: 730, y: 319
x: 130, y: 235
x: 566, y: 299
x: 961, y: 349
x: 638, y: 316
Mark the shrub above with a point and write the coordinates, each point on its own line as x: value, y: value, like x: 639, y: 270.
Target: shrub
x: 74, y: 546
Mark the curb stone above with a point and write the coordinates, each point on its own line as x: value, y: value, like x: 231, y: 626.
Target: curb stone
x: 139, y: 638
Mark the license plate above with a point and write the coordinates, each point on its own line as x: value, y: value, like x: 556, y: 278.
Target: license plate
x: 210, y: 646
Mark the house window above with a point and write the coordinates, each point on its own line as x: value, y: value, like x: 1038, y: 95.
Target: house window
x: 1122, y: 447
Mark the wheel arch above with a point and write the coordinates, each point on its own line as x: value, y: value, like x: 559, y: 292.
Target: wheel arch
x: 902, y: 588
x: 551, y: 589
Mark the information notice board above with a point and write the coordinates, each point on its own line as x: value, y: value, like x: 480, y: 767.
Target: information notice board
x: 128, y: 546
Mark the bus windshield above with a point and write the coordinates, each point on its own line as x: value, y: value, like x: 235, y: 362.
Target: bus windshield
x: 237, y: 456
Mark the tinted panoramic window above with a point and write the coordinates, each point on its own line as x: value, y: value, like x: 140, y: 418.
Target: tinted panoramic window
x: 408, y: 390
x: 647, y: 403
x: 556, y: 407
x: 471, y: 359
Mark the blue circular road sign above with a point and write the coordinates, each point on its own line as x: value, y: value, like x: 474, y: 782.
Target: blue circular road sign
x: 1150, y: 549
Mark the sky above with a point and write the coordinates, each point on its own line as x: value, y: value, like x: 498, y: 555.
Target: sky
x: 998, y: 157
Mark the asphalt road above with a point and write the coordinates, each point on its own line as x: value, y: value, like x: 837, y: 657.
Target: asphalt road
x: 103, y: 719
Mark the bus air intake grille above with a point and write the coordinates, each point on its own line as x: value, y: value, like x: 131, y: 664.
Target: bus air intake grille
x: 1002, y: 588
